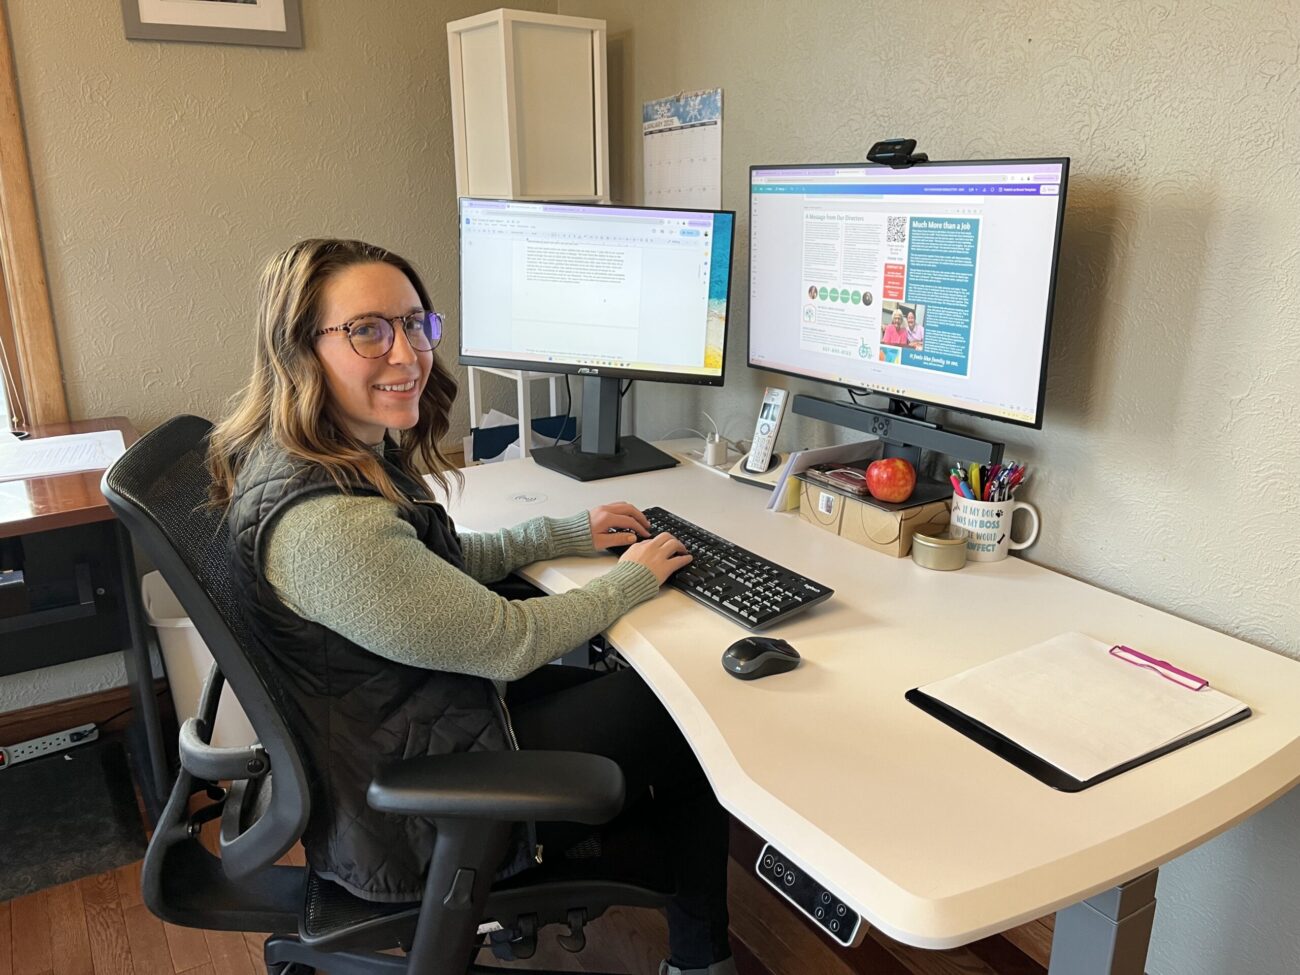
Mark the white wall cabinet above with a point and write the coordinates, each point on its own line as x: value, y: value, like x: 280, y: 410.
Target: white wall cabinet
x: 528, y: 106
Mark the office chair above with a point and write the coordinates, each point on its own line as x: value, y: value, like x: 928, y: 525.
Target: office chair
x: 159, y: 489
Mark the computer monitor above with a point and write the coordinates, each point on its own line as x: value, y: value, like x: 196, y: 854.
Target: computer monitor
x: 931, y: 284
x: 608, y: 293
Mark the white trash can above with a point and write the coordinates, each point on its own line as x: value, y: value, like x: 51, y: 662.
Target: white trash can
x: 188, y: 662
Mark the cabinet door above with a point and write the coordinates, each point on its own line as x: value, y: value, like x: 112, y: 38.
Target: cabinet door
x: 555, y: 107
x: 483, y: 88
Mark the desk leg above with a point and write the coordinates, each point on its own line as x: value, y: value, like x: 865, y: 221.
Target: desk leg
x: 146, y: 730
x: 1108, y: 934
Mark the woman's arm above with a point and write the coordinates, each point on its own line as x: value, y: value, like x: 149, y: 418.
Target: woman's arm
x: 352, y: 565
x: 490, y: 556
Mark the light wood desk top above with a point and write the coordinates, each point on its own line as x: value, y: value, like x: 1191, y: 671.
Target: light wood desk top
x: 933, y: 839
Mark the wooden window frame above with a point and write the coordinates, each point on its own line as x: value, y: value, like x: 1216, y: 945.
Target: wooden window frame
x: 27, y: 322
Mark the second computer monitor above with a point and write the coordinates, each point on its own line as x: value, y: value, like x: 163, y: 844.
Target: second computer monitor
x: 595, y: 290
x: 932, y: 284
x: 604, y: 292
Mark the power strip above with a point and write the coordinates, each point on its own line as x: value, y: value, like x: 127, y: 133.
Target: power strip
x: 39, y: 747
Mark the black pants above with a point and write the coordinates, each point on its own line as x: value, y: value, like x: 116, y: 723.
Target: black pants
x: 616, y: 715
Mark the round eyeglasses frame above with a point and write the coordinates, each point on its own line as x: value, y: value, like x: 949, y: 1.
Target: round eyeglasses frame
x: 404, y: 322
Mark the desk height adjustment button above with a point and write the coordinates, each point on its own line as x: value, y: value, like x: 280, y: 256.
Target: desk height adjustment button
x: 789, y: 878
x: 768, y: 861
x: 779, y: 869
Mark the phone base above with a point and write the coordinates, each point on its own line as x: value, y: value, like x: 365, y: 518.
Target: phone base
x: 767, y: 479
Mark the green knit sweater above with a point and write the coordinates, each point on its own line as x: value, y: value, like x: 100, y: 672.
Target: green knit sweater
x: 351, y: 564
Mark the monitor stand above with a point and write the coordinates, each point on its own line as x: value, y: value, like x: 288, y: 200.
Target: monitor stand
x: 903, y: 428
x: 601, y: 452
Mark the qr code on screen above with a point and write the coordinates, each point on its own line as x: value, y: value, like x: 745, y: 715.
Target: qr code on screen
x: 896, y: 233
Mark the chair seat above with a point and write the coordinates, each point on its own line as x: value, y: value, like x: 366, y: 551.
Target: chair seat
x: 331, y: 914
x: 598, y: 869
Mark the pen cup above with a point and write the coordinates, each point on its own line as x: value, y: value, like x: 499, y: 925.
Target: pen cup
x: 988, y: 527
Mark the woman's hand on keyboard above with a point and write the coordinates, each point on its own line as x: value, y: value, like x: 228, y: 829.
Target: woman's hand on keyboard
x: 663, y: 555
x: 617, y: 525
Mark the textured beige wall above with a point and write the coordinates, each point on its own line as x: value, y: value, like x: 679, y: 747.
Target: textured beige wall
x: 1167, y: 466
x: 167, y: 173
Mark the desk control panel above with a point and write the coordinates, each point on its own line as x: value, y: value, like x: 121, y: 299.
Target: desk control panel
x: 817, y: 903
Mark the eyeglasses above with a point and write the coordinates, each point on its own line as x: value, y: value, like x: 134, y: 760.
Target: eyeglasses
x: 372, y: 336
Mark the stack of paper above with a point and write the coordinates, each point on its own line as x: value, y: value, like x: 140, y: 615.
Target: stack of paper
x: 1078, y: 707
x: 46, y: 456
x: 785, y: 496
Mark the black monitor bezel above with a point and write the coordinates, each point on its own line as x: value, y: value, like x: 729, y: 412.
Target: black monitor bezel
x: 572, y: 369
x: 1037, y: 423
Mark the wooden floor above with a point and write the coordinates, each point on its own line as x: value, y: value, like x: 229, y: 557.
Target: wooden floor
x: 99, y: 926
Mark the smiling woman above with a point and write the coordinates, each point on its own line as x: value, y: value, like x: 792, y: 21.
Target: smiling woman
x: 381, y: 613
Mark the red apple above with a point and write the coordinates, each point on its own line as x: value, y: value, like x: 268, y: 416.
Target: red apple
x: 892, y: 479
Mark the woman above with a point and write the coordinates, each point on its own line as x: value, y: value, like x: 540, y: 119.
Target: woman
x: 895, y: 331
x: 915, y: 330
x: 373, y: 605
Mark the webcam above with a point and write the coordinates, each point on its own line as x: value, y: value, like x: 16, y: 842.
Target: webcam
x: 896, y: 153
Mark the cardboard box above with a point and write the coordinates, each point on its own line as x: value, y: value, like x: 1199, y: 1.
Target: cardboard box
x: 890, y: 532
x: 819, y: 507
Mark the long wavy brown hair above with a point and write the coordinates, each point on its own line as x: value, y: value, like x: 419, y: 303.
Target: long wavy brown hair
x: 286, y: 400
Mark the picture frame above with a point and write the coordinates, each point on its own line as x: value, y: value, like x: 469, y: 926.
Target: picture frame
x: 265, y: 23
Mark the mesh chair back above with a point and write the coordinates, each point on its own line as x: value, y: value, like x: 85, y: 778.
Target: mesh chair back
x: 159, y: 490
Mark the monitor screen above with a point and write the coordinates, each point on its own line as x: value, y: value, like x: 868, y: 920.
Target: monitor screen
x: 608, y: 291
x: 931, y: 284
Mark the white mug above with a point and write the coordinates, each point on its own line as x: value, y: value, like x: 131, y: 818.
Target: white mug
x: 988, y: 527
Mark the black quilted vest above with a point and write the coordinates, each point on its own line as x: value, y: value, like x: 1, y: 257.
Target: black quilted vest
x: 358, y: 710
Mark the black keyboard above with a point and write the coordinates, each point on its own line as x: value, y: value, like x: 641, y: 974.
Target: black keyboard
x: 733, y: 581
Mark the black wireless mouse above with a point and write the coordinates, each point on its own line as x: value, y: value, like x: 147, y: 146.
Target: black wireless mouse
x: 759, y: 656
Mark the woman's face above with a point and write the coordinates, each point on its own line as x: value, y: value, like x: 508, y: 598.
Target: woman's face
x: 911, y: 319
x: 371, y: 395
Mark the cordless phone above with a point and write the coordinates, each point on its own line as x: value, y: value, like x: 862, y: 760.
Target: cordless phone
x: 765, y: 431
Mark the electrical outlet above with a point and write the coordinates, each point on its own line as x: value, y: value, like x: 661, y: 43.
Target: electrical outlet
x: 39, y: 747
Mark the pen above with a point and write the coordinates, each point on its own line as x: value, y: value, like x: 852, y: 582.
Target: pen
x: 975, y: 479
x: 956, y: 484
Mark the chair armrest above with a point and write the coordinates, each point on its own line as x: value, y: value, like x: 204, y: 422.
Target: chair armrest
x: 543, y: 786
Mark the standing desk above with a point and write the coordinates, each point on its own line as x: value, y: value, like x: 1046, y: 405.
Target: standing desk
x: 932, y: 839
x: 80, y: 567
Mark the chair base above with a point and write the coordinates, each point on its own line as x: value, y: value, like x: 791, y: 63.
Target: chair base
x: 283, y: 950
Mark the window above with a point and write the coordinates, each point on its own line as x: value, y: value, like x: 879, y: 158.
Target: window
x: 30, y: 352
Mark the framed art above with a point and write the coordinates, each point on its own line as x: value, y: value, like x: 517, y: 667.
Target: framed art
x: 268, y: 23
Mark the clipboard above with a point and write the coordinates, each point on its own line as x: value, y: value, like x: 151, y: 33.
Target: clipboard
x: 1074, y: 711
x: 1027, y: 761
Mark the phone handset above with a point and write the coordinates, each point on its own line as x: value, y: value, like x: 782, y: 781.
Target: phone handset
x: 765, y: 430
